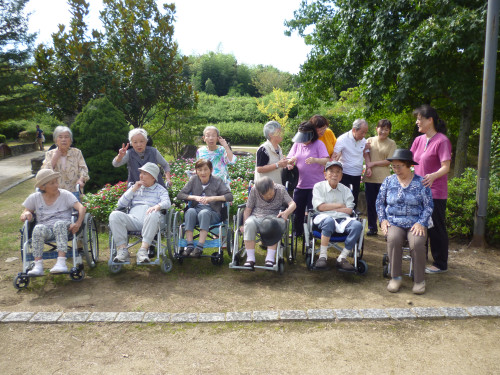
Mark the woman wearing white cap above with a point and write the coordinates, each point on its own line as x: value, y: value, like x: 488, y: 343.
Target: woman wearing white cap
x: 53, y: 208
x: 144, y: 199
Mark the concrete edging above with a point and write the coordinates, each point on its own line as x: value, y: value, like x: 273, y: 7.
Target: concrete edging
x: 317, y: 315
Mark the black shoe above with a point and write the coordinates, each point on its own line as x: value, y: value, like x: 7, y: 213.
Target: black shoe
x: 344, y: 265
x: 372, y: 232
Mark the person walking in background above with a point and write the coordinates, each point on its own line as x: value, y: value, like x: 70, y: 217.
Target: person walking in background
x: 325, y: 134
x: 310, y: 156
x: 40, y: 138
x: 381, y: 147
x: 270, y: 159
x: 350, y: 151
x: 432, y: 152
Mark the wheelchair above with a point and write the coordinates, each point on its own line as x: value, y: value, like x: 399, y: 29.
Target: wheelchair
x: 157, y: 252
x: 312, y: 235
x: 86, y: 236
x: 220, y: 236
x: 285, y: 245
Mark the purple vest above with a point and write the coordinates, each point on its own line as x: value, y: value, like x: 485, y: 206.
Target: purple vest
x: 135, y: 162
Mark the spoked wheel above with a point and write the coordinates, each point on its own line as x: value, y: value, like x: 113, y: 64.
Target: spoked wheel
x: 90, y: 241
x: 217, y: 259
x: 115, y: 268
x: 21, y: 281
x: 229, y: 242
x: 77, y: 273
x: 308, y: 261
x: 166, y: 265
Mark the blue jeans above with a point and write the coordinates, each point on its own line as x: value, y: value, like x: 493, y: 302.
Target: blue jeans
x: 353, y: 230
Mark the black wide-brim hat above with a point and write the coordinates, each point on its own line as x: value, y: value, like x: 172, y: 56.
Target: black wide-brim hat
x: 303, y: 137
x: 271, y: 230
x: 403, y: 155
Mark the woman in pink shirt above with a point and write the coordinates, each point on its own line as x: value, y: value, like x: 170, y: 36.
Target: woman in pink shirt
x: 432, y: 152
x: 310, y: 156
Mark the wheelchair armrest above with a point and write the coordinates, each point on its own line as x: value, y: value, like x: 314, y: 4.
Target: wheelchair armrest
x: 243, y: 205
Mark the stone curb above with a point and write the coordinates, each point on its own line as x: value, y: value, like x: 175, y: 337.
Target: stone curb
x: 331, y: 315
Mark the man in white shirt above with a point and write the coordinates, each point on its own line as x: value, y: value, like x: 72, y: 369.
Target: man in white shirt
x: 334, y: 203
x: 350, y: 151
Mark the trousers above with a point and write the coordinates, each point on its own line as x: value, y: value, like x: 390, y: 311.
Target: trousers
x: 136, y: 220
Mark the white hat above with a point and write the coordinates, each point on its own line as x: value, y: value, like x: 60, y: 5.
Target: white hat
x: 45, y: 175
x: 152, y: 169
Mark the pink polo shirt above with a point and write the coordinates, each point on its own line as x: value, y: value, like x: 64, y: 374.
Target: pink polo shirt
x: 309, y: 174
x: 429, y: 160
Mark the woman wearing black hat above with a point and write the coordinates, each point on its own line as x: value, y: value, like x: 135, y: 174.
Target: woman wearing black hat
x: 404, y: 207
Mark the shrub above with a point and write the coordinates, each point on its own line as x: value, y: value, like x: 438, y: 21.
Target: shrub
x: 102, y: 203
x: 99, y: 131
x: 461, y: 205
x: 12, y: 128
x: 241, y: 133
x: 27, y: 136
x: 3, y: 138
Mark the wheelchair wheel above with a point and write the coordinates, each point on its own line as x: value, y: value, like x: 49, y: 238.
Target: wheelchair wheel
x: 217, y: 259
x: 115, y: 268
x: 385, y: 271
x: 229, y: 242
x: 90, y: 241
x: 21, y: 282
x: 77, y: 273
x: 362, y: 267
x: 166, y: 265
x: 385, y: 260
x: 308, y: 262
x: 281, y: 266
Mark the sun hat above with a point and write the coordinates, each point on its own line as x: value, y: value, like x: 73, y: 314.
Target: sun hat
x: 271, y: 230
x: 45, y: 175
x: 152, y: 169
x: 303, y: 137
x: 403, y: 155
x: 332, y: 163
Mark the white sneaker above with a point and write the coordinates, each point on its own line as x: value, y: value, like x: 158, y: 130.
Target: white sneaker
x: 37, y: 270
x: 142, y: 256
x: 60, y: 266
x: 122, y: 256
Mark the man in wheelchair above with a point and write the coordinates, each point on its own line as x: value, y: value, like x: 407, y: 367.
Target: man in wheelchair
x: 144, y: 199
x: 53, y: 208
x: 334, y: 205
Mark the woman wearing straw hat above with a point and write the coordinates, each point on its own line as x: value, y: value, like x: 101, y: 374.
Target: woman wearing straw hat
x: 404, y: 207
x: 53, y: 208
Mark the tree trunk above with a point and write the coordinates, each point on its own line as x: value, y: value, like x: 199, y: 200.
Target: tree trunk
x: 462, y: 141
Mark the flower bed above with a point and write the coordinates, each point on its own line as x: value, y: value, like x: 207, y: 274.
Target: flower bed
x: 102, y: 203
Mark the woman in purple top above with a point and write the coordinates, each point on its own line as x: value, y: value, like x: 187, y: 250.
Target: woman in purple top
x: 432, y: 152
x: 310, y: 156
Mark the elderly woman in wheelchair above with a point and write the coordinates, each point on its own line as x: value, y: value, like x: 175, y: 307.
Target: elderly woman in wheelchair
x: 53, y: 208
x: 206, y: 194
x: 144, y: 199
x: 265, y: 200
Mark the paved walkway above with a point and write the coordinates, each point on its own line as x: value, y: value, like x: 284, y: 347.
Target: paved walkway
x: 325, y: 315
x: 16, y: 169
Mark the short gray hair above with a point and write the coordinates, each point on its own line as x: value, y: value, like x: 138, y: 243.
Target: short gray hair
x: 61, y: 129
x: 358, y: 123
x: 264, y: 185
x: 270, y: 128
x: 211, y: 128
x: 136, y: 131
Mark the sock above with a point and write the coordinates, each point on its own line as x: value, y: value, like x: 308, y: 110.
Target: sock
x: 323, y: 250
x: 61, y: 261
x: 38, y: 264
x: 200, y: 246
x: 190, y: 244
x: 250, y: 255
x: 343, y: 255
x: 271, y: 255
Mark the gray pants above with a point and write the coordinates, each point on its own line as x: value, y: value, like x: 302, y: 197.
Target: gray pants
x: 204, y: 216
x: 251, y: 227
x: 136, y: 220
x: 395, y: 240
x: 42, y: 233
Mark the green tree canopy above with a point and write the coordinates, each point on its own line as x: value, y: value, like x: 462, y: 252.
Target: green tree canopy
x: 17, y: 95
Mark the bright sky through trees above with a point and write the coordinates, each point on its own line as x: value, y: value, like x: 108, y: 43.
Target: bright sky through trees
x: 252, y: 31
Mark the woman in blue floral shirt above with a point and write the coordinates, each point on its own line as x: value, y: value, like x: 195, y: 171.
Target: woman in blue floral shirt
x: 404, y: 207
